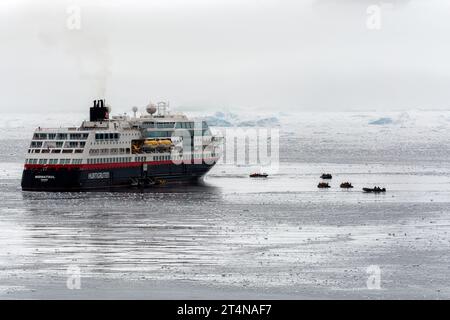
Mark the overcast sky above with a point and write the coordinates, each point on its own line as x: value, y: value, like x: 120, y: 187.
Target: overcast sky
x: 226, y: 54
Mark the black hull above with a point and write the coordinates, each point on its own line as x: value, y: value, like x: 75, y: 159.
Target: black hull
x: 82, y: 179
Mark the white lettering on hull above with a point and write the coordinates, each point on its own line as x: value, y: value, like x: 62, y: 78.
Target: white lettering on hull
x: 98, y: 175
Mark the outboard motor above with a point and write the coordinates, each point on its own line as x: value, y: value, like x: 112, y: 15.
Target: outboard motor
x: 99, y: 111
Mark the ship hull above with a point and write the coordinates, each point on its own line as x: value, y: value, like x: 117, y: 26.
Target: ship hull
x: 85, y: 178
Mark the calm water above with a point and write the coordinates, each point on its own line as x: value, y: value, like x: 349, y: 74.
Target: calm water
x: 277, y: 234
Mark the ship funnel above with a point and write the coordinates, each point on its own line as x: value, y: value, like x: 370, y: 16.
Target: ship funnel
x: 99, y: 112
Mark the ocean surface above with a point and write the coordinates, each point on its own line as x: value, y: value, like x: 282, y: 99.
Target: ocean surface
x: 274, y: 237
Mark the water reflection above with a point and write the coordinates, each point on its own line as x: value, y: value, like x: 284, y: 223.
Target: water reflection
x: 133, y: 231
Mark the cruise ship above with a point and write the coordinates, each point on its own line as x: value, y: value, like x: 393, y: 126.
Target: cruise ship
x: 123, y: 151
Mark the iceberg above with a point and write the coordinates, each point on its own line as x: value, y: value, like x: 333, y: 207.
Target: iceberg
x: 382, y: 121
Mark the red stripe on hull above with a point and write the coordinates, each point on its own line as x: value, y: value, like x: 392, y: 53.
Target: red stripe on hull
x: 99, y: 166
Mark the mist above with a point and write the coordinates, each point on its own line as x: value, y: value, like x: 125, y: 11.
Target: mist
x: 216, y: 55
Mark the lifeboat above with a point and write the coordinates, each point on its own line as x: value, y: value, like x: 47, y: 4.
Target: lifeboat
x: 374, y: 189
x: 323, y: 185
x: 259, y: 175
x: 151, y: 143
x: 160, y: 144
x: 346, y: 185
x: 165, y: 142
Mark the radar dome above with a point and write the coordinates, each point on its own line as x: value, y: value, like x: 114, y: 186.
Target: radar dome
x: 151, y: 108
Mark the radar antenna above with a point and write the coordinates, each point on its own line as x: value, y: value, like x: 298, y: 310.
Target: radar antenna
x: 135, y: 109
x: 151, y: 108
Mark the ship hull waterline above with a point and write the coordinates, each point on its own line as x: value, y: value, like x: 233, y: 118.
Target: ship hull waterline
x: 110, y: 176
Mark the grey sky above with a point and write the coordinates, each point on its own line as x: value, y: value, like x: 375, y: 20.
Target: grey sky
x: 235, y: 54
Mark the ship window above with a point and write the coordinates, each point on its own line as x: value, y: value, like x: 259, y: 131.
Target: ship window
x: 36, y: 144
x: 165, y: 124
x: 62, y: 136
x: 155, y: 134
x: 40, y: 136
x: 56, y: 151
x: 59, y: 144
